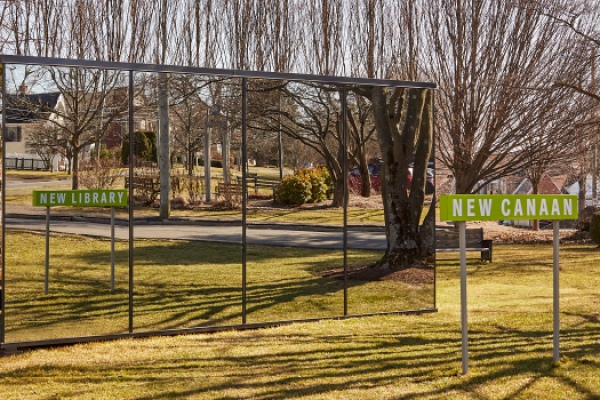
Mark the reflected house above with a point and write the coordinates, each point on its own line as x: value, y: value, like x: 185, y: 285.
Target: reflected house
x: 23, y: 123
x: 30, y: 120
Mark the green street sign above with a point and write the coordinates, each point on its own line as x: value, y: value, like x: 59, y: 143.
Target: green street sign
x: 80, y: 198
x: 496, y: 207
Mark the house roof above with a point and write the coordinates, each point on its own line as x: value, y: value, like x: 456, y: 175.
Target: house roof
x: 21, y: 109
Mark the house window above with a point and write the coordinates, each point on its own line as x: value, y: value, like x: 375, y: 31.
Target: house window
x: 13, y: 134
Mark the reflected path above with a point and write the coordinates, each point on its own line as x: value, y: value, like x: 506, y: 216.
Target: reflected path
x: 221, y: 234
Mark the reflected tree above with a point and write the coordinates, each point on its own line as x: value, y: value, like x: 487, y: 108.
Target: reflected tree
x: 403, y: 120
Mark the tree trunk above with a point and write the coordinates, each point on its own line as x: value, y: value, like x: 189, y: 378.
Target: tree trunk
x: 581, y: 179
x: 535, y: 224
x: 75, y: 169
x: 365, y: 179
x: 338, y: 192
x: 226, y: 154
x: 408, y: 243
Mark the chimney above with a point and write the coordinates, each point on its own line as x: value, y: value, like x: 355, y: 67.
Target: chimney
x: 23, y: 90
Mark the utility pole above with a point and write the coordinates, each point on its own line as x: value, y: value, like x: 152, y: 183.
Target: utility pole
x: 207, y: 159
x: 164, y: 164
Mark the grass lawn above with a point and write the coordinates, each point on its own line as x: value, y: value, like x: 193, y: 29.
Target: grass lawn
x: 39, y: 175
x: 387, y: 357
x: 179, y: 284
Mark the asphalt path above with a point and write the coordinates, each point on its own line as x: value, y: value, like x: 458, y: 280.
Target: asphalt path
x: 221, y: 234
x: 36, y: 184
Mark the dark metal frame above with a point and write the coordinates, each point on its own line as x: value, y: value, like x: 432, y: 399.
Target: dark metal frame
x: 341, y: 83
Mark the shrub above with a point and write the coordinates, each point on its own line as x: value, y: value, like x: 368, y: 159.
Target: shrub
x: 145, y: 147
x: 216, y: 163
x: 328, y: 181
x: 294, y: 189
x: 307, y: 185
x: 595, y: 229
x: 318, y: 187
x: 101, y: 174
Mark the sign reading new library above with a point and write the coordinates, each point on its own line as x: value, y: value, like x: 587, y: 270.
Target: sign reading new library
x: 507, y: 207
x: 80, y: 198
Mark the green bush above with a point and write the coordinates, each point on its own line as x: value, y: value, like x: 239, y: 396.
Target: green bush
x: 216, y: 163
x: 145, y: 147
x: 595, y: 229
x: 105, y: 154
x: 328, y: 181
x: 307, y: 185
x: 294, y: 189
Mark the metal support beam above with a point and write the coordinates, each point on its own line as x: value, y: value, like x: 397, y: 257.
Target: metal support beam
x: 3, y: 216
x: 344, y: 169
x: 244, y: 192
x: 64, y: 62
x: 131, y: 202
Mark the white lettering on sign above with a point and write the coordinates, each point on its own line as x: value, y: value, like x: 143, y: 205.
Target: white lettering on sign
x: 111, y: 197
x: 120, y: 196
x: 103, y: 199
x: 73, y: 199
x: 555, y: 207
x: 567, y: 206
x: 61, y: 198
x: 95, y: 198
x: 543, y: 207
x: 86, y: 198
x: 457, y: 203
x: 518, y: 208
x: 505, y: 211
x: 471, y: 207
x: 43, y: 198
x: 531, y: 207
x: 52, y: 198
x: 485, y: 206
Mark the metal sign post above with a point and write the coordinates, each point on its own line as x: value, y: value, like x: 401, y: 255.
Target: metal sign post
x: 556, y: 295
x: 47, y: 250
x: 81, y: 198
x: 462, y: 208
x: 462, y: 242
x: 112, y: 249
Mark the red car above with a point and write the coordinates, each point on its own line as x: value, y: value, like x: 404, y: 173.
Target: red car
x: 355, y: 182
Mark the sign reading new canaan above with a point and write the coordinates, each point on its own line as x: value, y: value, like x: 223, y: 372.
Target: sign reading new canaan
x: 472, y: 207
x: 80, y: 198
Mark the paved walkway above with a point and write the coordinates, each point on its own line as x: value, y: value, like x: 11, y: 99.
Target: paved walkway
x: 36, y: 184
x: 223, y: 234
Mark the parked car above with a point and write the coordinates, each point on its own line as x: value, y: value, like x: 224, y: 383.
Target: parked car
x: 355, y: 181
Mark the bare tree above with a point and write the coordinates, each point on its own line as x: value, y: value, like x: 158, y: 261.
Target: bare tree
x: 492, y: 60
x: 90, y: 100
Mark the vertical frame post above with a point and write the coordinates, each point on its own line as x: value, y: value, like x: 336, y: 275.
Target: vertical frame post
x: 131, y: 203
x: 344, y: 169
x: 3, y: 216
x: 462, y: 242
x: 244, y: 193
x: 556, y: 291
x: 433, y: 199
x: 47, y: 250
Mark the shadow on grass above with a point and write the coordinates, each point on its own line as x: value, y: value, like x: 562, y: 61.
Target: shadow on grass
x: 348, y: 362
x: 176, y: 284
